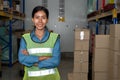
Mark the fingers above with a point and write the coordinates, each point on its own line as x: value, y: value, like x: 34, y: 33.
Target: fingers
x: 25, y: 52
x: 36, y: 64
x: 44, y: 58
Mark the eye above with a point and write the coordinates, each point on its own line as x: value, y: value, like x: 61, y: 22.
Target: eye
x: 36, y: 16
x: 44, y: 17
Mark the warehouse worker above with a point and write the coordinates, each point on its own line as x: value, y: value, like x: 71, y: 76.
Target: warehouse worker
x: 40, y: 49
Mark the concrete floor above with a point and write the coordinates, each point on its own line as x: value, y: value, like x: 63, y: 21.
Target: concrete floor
x: 12, y: 73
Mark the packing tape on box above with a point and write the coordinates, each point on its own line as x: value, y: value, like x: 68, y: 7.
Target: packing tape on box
x: 81, y: 35
x: 81, y: 52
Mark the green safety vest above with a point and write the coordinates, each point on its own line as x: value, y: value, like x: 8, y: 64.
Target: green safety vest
x: 40, y: 49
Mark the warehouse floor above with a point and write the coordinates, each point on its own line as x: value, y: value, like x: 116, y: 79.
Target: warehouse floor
x: 12, y: 73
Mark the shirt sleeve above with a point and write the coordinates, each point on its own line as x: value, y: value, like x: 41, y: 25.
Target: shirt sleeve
x: 26, y: 60
x: 54, y: 60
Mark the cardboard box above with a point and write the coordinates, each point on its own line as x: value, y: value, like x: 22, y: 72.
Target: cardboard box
x: 80, y: 76
x: 81, y: 56
x: 113, y: 57
x: 100, y: 76
x: 102, y: 41
x: 77, y: 76
x: 80, y: 67
x: 70, y: 76
x: 100, y: 59
x: 81, y: 44
x: 113, y: 72
x: 1, y: 1
x: 82, y: 34
x: 115, y: 44
x: 1, y: 4
x: 118, y: 67
x: 115, y: 30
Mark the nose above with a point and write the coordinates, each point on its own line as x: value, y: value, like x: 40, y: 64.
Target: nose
x: 40, y: 19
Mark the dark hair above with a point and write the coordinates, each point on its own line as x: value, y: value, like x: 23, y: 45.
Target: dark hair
x: 40, y: 8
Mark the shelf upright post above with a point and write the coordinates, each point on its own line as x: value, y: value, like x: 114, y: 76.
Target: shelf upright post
x: 114, y: 12
x: 97, y: 25
x: 10, y: 38
x: 97, y: 22
x: 24, y: 13
x: 23, y: 6
x: 105, y: 32
x: 97, y: 5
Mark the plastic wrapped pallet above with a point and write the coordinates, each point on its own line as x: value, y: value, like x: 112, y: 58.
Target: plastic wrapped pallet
x: 5, y: 52
x: 0, y: 58
x: 90, y: 6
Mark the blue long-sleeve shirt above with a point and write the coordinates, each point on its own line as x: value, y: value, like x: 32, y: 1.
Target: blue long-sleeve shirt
x: 30, y: 60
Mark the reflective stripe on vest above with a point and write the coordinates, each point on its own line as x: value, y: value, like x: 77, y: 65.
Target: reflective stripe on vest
x: 40, y: 50
x: 41, y: 72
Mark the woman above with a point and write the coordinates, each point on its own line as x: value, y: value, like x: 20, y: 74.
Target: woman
x: 40, y: 49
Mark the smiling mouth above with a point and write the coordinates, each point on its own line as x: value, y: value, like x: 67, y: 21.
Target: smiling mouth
x: 39, y: 24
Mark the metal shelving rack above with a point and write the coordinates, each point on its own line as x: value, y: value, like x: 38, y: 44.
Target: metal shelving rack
x: 113, y: 13
x: 10, y: 18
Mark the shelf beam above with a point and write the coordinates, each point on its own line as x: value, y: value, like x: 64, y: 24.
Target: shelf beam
x: 10, y: 16
x: 102, y: 15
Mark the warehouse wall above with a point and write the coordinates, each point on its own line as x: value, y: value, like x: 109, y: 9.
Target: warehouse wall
x: 75, y: 15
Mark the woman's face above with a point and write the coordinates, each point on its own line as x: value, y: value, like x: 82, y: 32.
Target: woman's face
x: 40, y: 20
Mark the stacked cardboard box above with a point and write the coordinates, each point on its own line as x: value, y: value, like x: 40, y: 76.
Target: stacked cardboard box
x: 81, y: 55
x: 1, y: 4
x: 118, y: 67
x: 100, y: 58
x: 114, y: 51
x: 6, y: 4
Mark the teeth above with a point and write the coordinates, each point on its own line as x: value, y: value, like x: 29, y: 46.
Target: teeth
x: 40, y: 24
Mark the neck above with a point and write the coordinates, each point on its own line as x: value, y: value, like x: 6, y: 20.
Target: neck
x: 40, y: 33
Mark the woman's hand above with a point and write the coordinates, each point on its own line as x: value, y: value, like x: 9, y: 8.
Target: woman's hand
x: 44, y: 57
x: 25, y: 52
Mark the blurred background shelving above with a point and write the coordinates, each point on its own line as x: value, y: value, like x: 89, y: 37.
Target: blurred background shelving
x: 11, y: 18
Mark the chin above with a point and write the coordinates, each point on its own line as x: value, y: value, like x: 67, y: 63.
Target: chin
x: 40, y: 28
